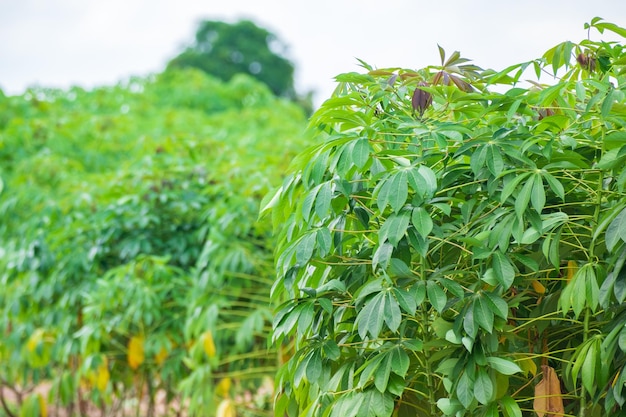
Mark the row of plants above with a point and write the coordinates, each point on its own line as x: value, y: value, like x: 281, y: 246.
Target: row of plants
x: 455, y: 242
x: 135, y: 276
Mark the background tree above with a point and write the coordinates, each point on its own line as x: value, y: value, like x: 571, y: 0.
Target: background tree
x: 223, y: 50
x: 456, y: 245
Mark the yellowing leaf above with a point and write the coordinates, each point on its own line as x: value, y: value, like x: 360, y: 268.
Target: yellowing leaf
x: 538, y: 287
x: 98, y: 378
x: 43, y: 407
x: 102, y: 377
x: 160, y: 357
x: 34, y: 340
x: 208, y: 344
x: 572, y: 267
x: 136, y: 354
x: 548, y: 400
x: 527, y: 365
x: 222, y: 388
x: 226, y: 409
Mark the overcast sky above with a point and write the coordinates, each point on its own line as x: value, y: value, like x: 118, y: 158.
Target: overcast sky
x: 58, y: 43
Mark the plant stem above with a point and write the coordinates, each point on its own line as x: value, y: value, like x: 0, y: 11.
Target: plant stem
x: 425, y: 336
x: 583, y: 392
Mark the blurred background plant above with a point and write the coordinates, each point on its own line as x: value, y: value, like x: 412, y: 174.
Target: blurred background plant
x: 135, y: 276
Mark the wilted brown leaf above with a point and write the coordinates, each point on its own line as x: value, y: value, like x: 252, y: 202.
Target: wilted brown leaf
x: 548, y: 399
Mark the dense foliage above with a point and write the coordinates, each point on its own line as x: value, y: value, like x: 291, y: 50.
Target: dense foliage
x: 224, y: 50
x: 456, y: 245
x: 131, y: 263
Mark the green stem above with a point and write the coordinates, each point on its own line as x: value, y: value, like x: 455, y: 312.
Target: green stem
x: 583, y: 391
x: 596, y: 221
x: 425, y: 336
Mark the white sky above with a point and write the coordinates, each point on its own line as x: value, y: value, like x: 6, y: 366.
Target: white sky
x: 58, y: 43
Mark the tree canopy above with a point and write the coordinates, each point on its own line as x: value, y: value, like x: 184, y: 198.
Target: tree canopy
x: 224, y: 49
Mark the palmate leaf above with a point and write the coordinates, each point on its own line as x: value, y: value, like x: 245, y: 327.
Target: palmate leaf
x: 483, y: 387
x: 483, y: 314
x: 361, y: 152
x: 464, y: 229
x: 394, y: 228
x: 374, y: 404
x: 465, y: 390
x: 503, y: 269
x: 393, y: 190
x: 616, y: 231
x: 382, y: 308
x: 422, y: 221
x: 436, y: 296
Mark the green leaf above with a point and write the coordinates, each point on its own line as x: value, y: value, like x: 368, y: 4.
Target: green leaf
x: 406, y: 300
x: 394, y: 228
x: 305, y: 247
x: 504, y: 366
x: 450, y: 407
x: 469, y: 324
x: 610, y: 27
x: 382, y: 255
x: 399, y: 191
x: 510, y: 407
x: 453, y: 287
x: 491, y: 410
x: 495, y: 162
x: 383, y: 191
x: 383, y: 372
x: 392, y: 313
x: 422, y: 221
x: 331, y: 350
x: 418, y: 291
x: 483, y: 314
x: 374, y: 404
x: 382, y: 308
x: 347, y: 405
x: 309, y: 201
x: 465, y: 390
x: 589, y: 367
x: 511, y: 185
x: 314, y: 366
x: 497, y: 305
x: 399, y: 361
x: 523, y: 198
x: 616, y: 231
x: 324, y: 241
x: 538, y: 195
x: 399, y: 269
x: 423, y: 180
x: 436, y: 296
x: 322, y: 201
x: 419, y: 243
x: 503, y: 270
x: 607, y: 104
x: 483, y: 387
x: 370, y: 318
x: 361, y: 152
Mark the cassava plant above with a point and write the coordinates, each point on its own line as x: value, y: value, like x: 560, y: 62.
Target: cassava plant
x: 455, y: 243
